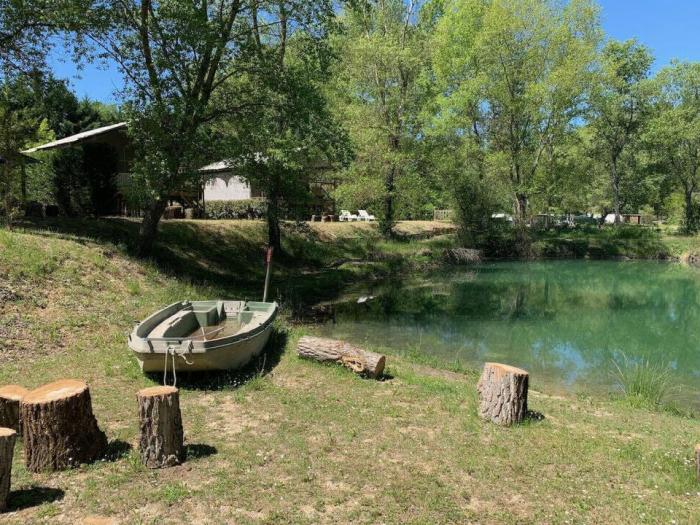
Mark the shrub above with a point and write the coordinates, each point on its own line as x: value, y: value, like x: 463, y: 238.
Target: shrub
x: 242, y: 209
x: 643, y: 381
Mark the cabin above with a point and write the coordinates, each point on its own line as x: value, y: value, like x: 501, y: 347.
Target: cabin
x: 116, y: 137
x: 222, y: 184
x: 625, y: 218
x: 219, y: 181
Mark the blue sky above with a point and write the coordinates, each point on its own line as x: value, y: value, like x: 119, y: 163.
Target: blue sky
x: 670, y: 27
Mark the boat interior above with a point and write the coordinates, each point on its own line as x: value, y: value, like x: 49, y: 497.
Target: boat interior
x: 205, y: 320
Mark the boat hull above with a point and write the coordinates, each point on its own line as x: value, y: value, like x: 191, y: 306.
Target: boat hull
x: 227, y: 357
x: 203, y: 336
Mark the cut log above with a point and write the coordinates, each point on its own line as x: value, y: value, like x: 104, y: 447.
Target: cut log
x: 697, y: 461
x: 7, y: 448
x: 161, y: 443
x: 355, y: 358
x: 503, y: 394
x: 10, y: 396
x: 59, y: 428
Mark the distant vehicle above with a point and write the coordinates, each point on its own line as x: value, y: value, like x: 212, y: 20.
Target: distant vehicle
x: 502, y: 217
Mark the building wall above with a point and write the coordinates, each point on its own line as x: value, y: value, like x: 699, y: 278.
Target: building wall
x: 226, y: 187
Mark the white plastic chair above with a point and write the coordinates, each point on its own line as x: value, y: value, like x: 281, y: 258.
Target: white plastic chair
x: 345, y: 215
x: 364, y: 216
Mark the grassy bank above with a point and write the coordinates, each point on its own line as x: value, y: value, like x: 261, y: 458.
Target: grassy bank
x: 628, y: 242
x: 288, y: 441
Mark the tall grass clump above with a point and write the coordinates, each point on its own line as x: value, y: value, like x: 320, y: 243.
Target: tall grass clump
x: 643, y: 381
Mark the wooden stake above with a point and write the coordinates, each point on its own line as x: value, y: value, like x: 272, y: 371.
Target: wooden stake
x: 60, y: 430
x: 7, y: 448
x: 353, y: 357
x: 161, y: 443
x: 503, y: 394
x: 10, y: 396
x: 267, y: 274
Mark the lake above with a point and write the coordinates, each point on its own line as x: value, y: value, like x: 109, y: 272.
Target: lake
x: 564, y: 321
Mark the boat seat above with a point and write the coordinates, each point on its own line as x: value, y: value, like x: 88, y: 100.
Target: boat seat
x: 178, y: 325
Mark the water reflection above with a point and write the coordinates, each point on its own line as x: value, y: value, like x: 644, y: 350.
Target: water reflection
x: 564, y: 321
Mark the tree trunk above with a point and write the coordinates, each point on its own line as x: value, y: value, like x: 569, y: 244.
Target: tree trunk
x: 149, y: 227
x: 8, y: 195
x: 7, y: 448
x: 329, y: 350
x: 522, y: 203
x: 23, y: 184
x: 10, y: 397
x: 161, y: 443
x: 503, y: 394
x: 616, y: 191
x: 60, y: 430
x: 274, y: 236
x: 690, y: 223
x: 390, y: 185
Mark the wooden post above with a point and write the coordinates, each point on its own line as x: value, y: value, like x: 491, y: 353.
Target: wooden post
x: 10, y: 396
x: 161, y: 442
x: 503, y: 394
x: 329, y: 350
x: 7, y: 448
x: 267, y: 274
x: 60, y: 430
x: 697, y: 461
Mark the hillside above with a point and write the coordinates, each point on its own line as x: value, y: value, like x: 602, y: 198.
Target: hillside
x: 287, y: 441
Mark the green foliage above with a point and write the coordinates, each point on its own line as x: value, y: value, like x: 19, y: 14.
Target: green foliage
x: 378, y: 91
x: 673, y: 133
x: 619, y: 108
x: 241, y: 209
x: 513, y: 77
x: 643, y: 382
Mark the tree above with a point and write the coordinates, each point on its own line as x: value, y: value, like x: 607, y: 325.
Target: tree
x: 287, y: 127
x: 513, y: 75
x: 384, y: 52
x: 674, y: 131
x: 16, y: 127
x: 619, y: 105
x: 174, y: 57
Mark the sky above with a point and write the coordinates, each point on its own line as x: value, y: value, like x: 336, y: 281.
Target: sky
x: 671, y: 28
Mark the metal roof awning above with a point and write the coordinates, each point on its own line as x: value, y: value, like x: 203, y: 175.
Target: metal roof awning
x: 76, y: 139
x: 25, y: 158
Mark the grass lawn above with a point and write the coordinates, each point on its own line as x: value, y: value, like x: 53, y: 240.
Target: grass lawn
x: 289, y: 441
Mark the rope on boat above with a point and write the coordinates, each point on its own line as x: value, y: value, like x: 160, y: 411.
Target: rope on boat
x: 172, y: 351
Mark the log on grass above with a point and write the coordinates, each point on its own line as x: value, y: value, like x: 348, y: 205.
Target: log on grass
x: 7, y: 448
x: 161, y: 443
x: 355, y: 358
x: 503, y: 394
x: 59, y: 428
x: 10, y: 397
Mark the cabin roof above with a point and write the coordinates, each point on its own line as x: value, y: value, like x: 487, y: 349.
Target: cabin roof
x: 72, y: 140
x: 27, y: 159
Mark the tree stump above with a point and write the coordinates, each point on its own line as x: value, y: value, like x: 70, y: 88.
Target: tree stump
x: 7, y: 448
x: 10, y: 396
x: 59, y: 428
x: 353, y: 357
x: 161, y: 443
x: 503, y: 394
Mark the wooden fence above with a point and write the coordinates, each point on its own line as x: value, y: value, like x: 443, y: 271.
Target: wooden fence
x: 442, y: 215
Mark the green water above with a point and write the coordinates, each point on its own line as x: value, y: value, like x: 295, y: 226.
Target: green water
x: 564, y: 321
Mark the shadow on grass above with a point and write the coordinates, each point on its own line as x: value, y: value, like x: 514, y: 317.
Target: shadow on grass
x: 32, y: 497
x: 117, y: 450
x: 532, y: 417
x: 199, y: 450
x: 259, y: 367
